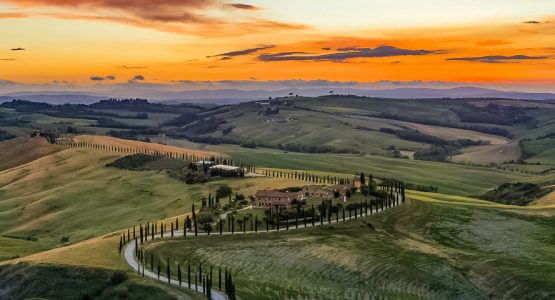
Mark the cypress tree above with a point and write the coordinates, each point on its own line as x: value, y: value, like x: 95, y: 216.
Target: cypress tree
x: 343, y: 213
x: 256, y: 224
x: 304, y: 217
x: 277, y: 221
x: 152, y: 262
x: 286, y: 223
x: 195, y: 220
x: 208, y: 289
x: 297, y: 217
x: 366, y: 207
x: 220, y: 278
x: 232, y: 224
x: 189, y: 275
x: 179, y: 273
x: 158, y: 269
x: 313, y: 215
x: 244, y: 224
x: 120, y: 244
x: 134, y: 232
x: 329, y: 210
x: 267, y: 224
x: 221, y: 227
x: 128, y: 236
x: 168, y: 269
x: 172, y: 229
x: 176, y: 224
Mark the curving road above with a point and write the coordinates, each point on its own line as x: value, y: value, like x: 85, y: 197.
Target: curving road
x: 129, y: 251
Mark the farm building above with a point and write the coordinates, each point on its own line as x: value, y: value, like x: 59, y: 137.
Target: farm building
x: 272, y: 198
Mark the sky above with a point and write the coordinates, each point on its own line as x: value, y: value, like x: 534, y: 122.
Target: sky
x: 64, y: 44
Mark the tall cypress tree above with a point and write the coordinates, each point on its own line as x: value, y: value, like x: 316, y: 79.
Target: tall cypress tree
x: 313, y: 214
x: 220, y: 278
x: 158, y: 269
x: 179, y: 273
x: 168, y: 269
x: 195, y: 220
x: 189, y: 275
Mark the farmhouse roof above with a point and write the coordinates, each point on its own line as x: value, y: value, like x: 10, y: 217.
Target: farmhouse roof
x: 270, y: 193
x: 225, y: 167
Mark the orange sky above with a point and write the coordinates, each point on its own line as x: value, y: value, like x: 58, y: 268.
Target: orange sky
x: 96, y: 41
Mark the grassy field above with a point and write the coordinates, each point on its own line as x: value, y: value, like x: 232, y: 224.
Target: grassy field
x: 421, y: 250
x: 450, y: 178
x: 66, y: 196
x: 46, y: 281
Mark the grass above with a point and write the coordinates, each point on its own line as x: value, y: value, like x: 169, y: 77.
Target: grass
x: 47, y: 281
x: 420, y: 250
x: 71, y: 193
x: 450, y: 178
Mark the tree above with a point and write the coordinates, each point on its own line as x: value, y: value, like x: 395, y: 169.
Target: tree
x: 179, y: 273
x: 195, y: 220
x: 189, y: 275
x: 336, y: 194
x: 362, y: 179
x: 158, y: 269
x: 168, y: 269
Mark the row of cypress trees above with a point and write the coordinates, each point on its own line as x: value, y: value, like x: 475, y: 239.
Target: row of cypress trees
x: 394, y: 190
x: 202, y: 281
x: 305, y: 176
x: 174, y: 155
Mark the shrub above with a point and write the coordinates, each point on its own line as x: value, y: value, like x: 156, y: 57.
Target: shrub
x: 118, y: 277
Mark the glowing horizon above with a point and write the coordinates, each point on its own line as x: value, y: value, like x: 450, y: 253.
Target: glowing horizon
x: 93, y: 42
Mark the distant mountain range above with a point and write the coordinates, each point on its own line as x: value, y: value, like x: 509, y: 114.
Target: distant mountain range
x: 230, y: 96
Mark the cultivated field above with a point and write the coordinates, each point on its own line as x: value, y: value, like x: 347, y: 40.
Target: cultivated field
x: 420, y: 250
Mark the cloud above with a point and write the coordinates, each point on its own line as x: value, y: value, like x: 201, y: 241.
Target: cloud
x: 132, y: 67
x: 532, y: 22
x: 18, y: 49
x: 102, y: 78
x: 243, y: 6
x: 497, y: 58
x: 344, y: 54
x: 198, y: 17
x: 7, y: 59
x: 136, y: 78
x: 229, y: 55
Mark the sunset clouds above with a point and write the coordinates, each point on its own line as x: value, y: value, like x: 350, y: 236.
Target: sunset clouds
x: 104, y: 42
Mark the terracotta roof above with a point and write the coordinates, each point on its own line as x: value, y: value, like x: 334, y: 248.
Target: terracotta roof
x: 270, y: 193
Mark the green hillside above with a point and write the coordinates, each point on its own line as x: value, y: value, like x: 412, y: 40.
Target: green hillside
x: 420, y: 250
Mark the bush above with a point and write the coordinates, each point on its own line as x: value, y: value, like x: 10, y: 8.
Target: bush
x: 223, y: 191
x: 118, y: 277
x: 515, y: 193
